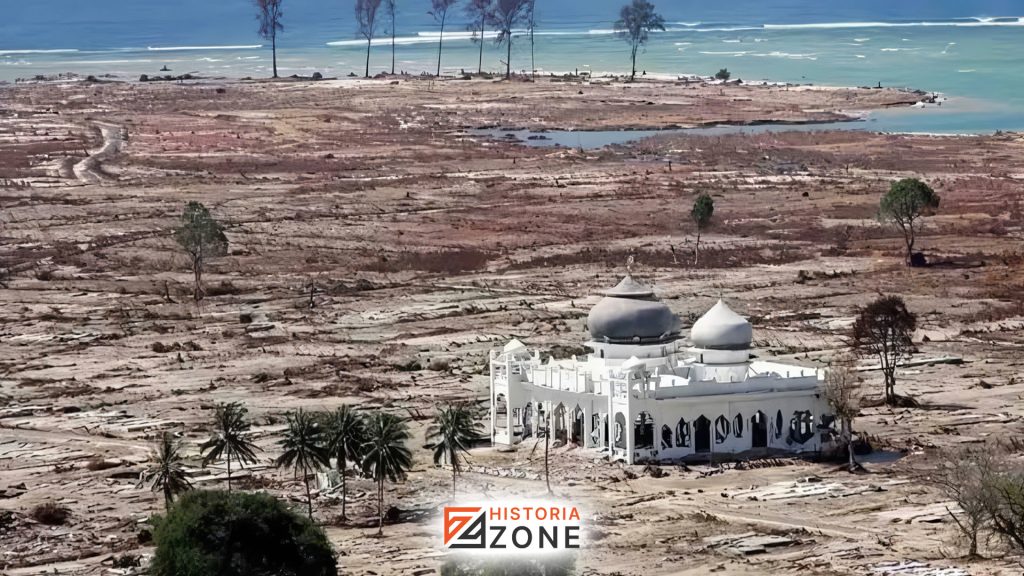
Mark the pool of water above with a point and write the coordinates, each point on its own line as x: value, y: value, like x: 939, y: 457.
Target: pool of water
x: 953, y: 117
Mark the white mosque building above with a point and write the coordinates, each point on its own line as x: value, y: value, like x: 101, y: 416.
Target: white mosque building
x: 642, y: 395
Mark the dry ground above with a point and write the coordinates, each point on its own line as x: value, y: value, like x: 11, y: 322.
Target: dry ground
x: 425, y: 245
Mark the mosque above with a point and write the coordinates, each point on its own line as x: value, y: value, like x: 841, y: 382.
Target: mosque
x: 643, y: 395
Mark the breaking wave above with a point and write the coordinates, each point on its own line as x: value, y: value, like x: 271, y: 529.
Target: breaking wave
x: 184, y: 48
x: 18, y: 52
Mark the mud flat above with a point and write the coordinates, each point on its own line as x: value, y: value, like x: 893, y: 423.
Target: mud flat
x: 427, y: 247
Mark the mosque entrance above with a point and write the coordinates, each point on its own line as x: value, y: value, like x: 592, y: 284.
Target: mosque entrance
x: 577, y: 426
x: 528, y: 420
x: 702, y: 435
x: 560, y: 433
x: 759, y: 430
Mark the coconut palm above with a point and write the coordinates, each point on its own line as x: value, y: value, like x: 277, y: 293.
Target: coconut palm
x: 385, y: 455
x: 228, y: 438
x: 304, y: 449
x: 167, y: 472
x: 454, y: 428
x: 346, y: 434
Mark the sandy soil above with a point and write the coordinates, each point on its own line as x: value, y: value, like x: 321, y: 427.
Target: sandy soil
x: 424, y: 243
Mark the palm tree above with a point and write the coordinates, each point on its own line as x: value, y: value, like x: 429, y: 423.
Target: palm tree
x: 386, y: 456
x: 167, y: 473
x: 304, y: 449
x: 455, y: 427
x: 346, y: 434
x: 228, y: 438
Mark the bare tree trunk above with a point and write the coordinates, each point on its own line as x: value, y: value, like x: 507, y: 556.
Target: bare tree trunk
x: 197, y: 271
x: 480, y: 64
x: 633, y: 75
x: 508, y: 59
x: 167, y: 497
x: 367, y: 73
x: 229, y: 471
x: 696, y: 249
x: 848, y: 435
x: 547, y: 445
x: 453, y: 480
x: 273, y: 49
x: 440, y: 44
x: 344, y: 491
x: 392, y: 43
x: 380, y: 506
x: 309, y: 497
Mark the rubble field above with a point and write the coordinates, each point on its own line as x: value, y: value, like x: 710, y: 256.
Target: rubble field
x: 380, y: 249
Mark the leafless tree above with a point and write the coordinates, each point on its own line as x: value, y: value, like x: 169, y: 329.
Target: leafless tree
x: 392, y: 24
x: 504, y: 16
x: 269, y: 17
x: 439, y: 10
x: 477, y: 11
x: 842, y: 391
x: 968, y: 478
x: 531, y: 23
x: 366, y: 17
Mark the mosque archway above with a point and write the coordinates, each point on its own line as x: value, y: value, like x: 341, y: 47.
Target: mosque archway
x: 721, y: 429
x: 528, y: 420
x: 643, y: 432
x: 595, y: 430
x: 737, y: 425
x: 560, y: 432
x: 576, y: 434
x: 801, y: 427
x: 666, y: 437
x: 759, y: 430
x: 620, y: 431
x: 683, y: 434
x: 500, y: 411
x: 702, y: 434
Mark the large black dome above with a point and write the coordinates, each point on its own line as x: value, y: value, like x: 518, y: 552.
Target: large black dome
x: 630, y: 314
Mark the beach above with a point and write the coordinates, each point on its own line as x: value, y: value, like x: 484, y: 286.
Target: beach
x: 380, y: 248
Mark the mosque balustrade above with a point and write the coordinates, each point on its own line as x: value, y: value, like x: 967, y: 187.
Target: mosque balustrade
x: 558, y: 378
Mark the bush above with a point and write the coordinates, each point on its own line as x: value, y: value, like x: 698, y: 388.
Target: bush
x: 51, y: 514
x: 215, y: 533
x: 723, y: 74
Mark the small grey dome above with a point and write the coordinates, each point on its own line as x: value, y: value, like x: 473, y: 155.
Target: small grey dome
x: 630, y: 314
x: 721, y: 329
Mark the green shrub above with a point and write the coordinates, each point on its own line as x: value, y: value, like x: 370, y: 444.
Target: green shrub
x: 215, y: 533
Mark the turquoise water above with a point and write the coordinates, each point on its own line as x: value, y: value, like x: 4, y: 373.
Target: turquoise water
x: 971, y: 51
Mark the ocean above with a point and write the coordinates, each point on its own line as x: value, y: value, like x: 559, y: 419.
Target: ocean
x: 971, y: 51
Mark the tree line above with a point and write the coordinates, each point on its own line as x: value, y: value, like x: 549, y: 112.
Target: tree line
x: 506, y: 18
x: 372, y: 443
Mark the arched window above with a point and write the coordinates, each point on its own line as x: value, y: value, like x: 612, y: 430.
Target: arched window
x: 801, y: 427
x: 620, y: 430
x: 643, y: 431
x: 666, y: 437
x: 682, y: 434
x: 721, y: 429
x: 778, y: 424
x: 702, y: 434
x: 759, y: 430
x: 500, y: 411
x: 737, y: 425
